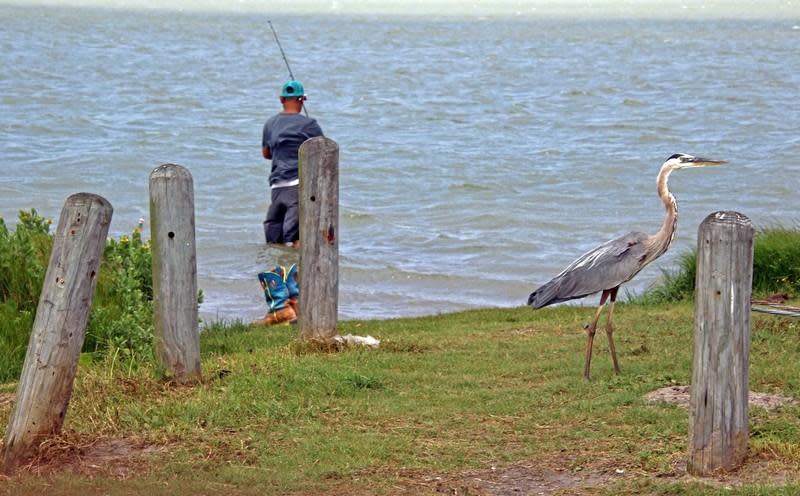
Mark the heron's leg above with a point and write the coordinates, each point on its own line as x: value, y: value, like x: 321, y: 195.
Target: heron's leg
x: 590, y: 330
x: 610, y: 330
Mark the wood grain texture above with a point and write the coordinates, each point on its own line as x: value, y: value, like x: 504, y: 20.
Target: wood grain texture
x: 59, y: 328
x: 319, y: 239
x: 718, y: 429
x: 172, y: 226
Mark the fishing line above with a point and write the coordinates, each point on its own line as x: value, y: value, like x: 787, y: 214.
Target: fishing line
x: 285, y: 60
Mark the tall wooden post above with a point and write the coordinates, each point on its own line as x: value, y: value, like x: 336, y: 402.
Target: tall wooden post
x: 319, y: 239
x: 45, y: 386
x: 718, y: 431
x: 177, y: 338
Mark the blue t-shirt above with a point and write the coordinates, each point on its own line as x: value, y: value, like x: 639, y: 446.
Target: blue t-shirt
x: 283, y: 134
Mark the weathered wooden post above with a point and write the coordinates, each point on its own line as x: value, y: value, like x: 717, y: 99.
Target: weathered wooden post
x: 177, y: 338
x: 45, y: 386
x: 718, y: 431
x: 319, y: 239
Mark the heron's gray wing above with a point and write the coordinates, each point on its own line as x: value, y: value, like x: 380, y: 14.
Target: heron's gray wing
x: 604, y: 267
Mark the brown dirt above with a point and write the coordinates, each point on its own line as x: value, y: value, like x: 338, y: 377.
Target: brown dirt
x: 91, y: 456
x: 679, y: 395
x: 560, y: 475
x: 6, y: 400
x: 524, y: 479
x: 552, y: 478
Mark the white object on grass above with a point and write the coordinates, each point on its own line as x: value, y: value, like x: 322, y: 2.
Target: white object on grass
x: 351, y: 340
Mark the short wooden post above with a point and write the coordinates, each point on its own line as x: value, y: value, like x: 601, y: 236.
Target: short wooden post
x: 718, y: 431
x: 177, y: 337
x: 45, y: 386
x: 319, y: 239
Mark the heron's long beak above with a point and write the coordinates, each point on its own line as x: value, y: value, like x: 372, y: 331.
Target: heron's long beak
x: 702, y: 162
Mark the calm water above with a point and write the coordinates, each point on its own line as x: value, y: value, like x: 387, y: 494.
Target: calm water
x: 479, y: 155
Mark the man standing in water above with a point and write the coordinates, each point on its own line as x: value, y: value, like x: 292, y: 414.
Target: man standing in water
x: 282, y: 137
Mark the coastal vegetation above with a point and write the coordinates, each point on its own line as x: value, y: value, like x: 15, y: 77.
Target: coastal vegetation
x: 469, y: 403
x: 776, y: 269
x: 121, y: 322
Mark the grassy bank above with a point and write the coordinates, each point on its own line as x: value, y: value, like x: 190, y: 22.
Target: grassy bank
x: 467, y: 403
x: 776, y: 268
x: 480, y: 402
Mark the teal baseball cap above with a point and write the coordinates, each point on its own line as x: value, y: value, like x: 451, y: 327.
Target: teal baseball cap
x: 292, y: 89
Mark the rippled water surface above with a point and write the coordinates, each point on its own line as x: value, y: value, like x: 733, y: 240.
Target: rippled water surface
x: 479, y: 156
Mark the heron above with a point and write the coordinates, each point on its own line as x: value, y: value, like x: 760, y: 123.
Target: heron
x: 616, y: 262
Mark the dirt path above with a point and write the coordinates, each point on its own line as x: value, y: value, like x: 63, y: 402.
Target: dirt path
x: 679, y: 395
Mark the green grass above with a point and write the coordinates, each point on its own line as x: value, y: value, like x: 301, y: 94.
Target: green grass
x: 776, y: 268
x: 442, y: 396
x: 776, y: 261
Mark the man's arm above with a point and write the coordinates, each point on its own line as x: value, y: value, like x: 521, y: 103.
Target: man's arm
x: 265, y: 151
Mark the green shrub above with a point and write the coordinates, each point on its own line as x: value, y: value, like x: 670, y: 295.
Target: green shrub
x: 24, y: 255
x: 15, y: 329
x: 122, y: 311
x: 121, y: 321
x: 776, y: 268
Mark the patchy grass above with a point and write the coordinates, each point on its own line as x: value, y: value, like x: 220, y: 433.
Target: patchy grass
x: 476, y: 402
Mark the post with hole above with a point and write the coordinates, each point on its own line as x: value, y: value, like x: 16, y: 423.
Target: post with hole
x: 59, y: 328
x: 718, y: 431
x: 319, y: 239
x: 172, y: 228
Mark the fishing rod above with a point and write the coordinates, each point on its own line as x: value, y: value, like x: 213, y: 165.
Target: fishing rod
x: 285, y: 60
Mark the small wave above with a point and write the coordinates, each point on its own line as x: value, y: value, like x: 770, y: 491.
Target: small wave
x: 548, y: 152
x: 632, y: 102
x: 469, y: 187
x: 356, y: 216
x: 576, y: 92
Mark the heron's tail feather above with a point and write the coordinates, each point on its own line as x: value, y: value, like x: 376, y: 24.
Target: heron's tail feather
x: 555, y: 291
x: 547, y: 294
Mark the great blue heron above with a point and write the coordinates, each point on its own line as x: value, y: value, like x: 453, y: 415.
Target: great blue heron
x: 611, y: 264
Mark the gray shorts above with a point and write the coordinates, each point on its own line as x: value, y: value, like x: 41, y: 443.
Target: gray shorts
x: 282, y: 224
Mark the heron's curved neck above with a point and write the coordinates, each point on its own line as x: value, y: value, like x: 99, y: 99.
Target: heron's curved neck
x: 660, y: 241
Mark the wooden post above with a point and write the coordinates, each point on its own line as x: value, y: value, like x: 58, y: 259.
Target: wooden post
x: 718, y: 431
x: 319, y: 239
x: 177, y: 338
x: 45, y: 386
